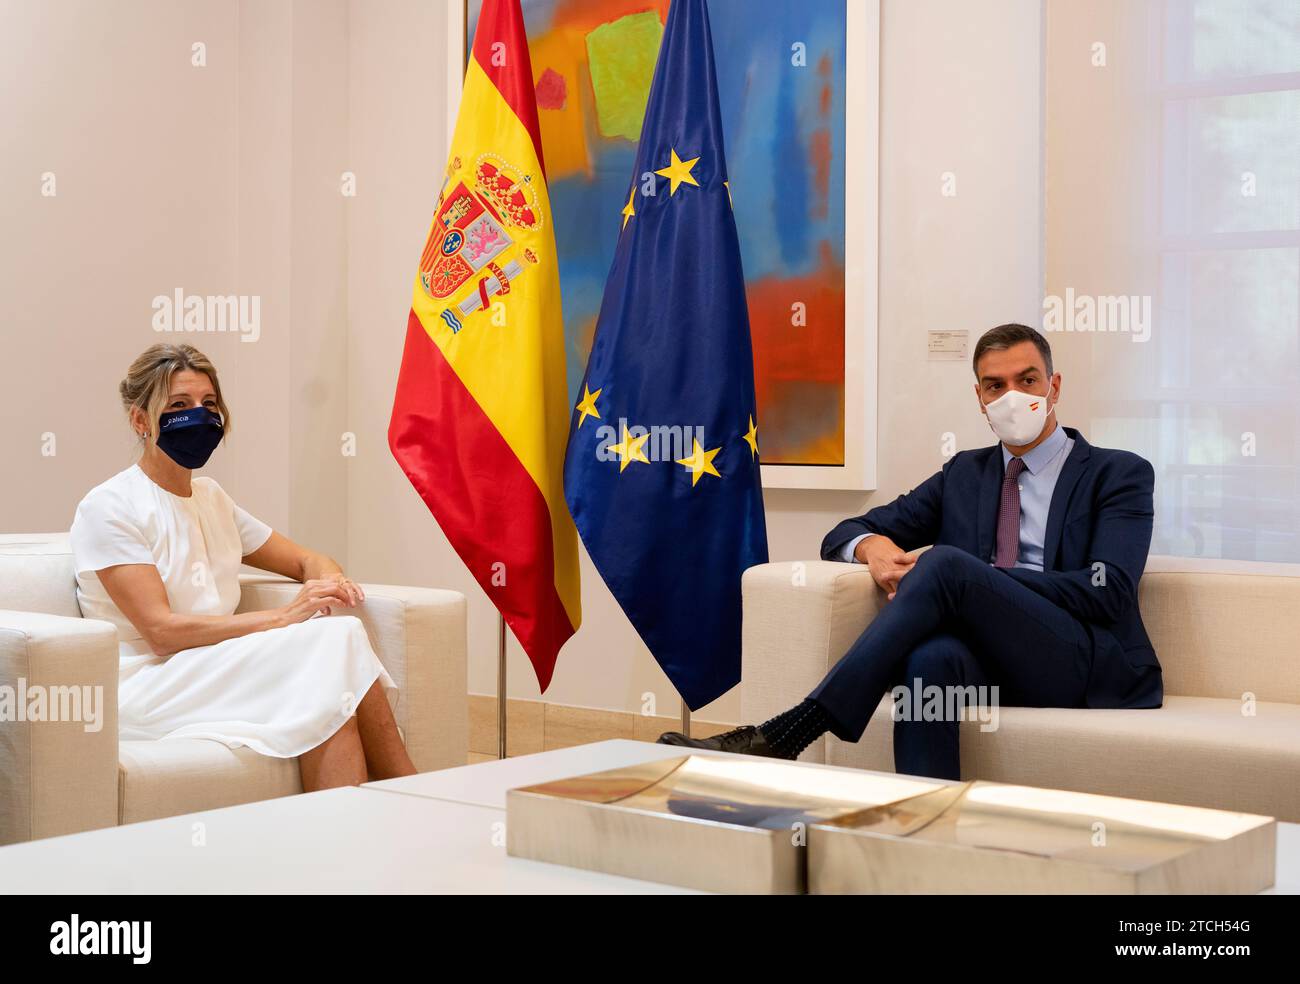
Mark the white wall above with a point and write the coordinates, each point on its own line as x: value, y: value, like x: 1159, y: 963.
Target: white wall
x: 220, y: 178
x: 143, y: 150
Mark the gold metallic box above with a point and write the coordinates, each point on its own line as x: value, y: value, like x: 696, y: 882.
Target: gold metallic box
x: 996, y: 838
x: 739, y: 824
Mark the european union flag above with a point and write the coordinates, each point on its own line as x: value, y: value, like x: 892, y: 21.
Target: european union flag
x: 662, y: 470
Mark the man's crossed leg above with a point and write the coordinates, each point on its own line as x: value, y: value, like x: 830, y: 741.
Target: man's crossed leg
x: 955, y: 621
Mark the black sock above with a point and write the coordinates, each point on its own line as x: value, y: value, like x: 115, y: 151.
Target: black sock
x: 790, y: 732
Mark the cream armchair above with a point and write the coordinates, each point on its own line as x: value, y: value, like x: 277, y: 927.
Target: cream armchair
x: 1228, y: 735
x: 60, y: 778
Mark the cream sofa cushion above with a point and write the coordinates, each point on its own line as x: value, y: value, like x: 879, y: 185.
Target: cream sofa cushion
x: 1224, y: 635
x: 1199, y: 751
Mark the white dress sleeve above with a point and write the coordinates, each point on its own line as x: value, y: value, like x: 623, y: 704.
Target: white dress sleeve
x: 104, y: 534
x: 252, y: 531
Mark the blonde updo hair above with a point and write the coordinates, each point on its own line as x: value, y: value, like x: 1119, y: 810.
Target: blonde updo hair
x: 148, y: 383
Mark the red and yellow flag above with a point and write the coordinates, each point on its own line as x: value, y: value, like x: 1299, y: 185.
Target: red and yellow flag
x: 481, y: 415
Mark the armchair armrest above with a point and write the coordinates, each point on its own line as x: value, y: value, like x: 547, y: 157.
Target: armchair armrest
x: 419, y: 636
x: 800, y: 617
x: 58, y: 725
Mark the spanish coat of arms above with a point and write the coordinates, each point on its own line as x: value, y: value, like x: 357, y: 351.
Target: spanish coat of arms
x: 470, y: 256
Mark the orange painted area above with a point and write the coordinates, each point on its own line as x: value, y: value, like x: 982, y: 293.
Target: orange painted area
x: 799, y: 369
x: 564, y: 129
x: 583, y: 15
x: 585, y: 338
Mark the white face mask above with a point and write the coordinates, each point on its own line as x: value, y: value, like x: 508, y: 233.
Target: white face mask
x: 1018, y: 417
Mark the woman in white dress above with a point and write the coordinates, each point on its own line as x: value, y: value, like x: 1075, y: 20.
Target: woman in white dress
x: 157, y: 553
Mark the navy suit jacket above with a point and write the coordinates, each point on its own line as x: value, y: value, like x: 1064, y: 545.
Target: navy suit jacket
x: 1098, y: 534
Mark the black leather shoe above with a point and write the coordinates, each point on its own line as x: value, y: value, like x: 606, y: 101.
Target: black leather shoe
x: 745, y: 740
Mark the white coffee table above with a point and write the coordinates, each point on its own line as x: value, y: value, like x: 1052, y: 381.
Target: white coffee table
x: 436, y: 832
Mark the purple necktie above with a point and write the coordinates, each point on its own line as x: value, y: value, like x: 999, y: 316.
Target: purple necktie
x: 1009, y: 515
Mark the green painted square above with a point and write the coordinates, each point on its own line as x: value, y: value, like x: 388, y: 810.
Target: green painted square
x: 621, y: 57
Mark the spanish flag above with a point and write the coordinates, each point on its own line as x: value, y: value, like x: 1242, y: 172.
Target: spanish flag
x: 480, y: 417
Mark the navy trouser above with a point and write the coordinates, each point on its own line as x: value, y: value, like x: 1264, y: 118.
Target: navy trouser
x: 956, y: 621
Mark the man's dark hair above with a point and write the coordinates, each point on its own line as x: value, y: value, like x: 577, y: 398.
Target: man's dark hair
x: 1004, y: 336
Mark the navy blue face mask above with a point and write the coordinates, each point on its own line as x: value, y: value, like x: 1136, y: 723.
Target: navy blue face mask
x: 190, y: 436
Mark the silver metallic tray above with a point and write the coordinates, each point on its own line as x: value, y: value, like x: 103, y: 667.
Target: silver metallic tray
x: 733, y: 824
x: 996, y: 838
x: 739, y: 824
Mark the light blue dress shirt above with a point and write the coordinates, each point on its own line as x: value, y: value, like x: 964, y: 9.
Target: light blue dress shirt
x: 1037, y: 482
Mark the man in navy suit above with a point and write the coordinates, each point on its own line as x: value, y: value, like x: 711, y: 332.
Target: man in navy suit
x: 1030, y: 584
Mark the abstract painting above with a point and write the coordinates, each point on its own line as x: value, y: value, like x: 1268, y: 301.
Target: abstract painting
x: 781, y: 78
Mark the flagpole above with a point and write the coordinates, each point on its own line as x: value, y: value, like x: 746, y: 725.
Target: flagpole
x: 501, y: 686
x: 686, y: 720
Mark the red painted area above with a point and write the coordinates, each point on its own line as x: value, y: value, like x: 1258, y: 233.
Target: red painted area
x: 819, y: 156
x: 552, y: 91
x: 501, y: 50
x: 819, y: 145
x: 792, y: 362
x: 481, y: 495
